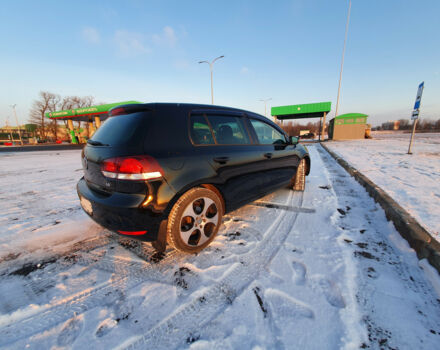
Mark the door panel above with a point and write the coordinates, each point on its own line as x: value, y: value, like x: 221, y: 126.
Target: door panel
x: 244, y: 173
x: 281, y: 158
x: 236, y: 161
x: 224, y: 142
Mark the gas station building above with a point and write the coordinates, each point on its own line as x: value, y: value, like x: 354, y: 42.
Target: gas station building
x: 348, y: 126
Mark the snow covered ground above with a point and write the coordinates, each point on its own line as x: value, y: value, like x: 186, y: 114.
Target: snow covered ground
x: 411, y: 180
x: 313, y: 270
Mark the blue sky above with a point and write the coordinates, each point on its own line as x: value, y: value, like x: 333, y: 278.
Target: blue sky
x: 289, y: 51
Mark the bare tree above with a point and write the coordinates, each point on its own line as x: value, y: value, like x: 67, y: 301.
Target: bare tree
x: 52, y: 108
x: 65, y: 104
x: 47, y: 102
x: 71, y: 102
x: 87, y: 101
x: 404, y: 124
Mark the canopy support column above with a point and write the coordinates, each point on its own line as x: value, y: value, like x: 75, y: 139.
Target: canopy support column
x: 320, y: 129
x: 97, y: 122
x: 90, y: 128
x: 71, y: 131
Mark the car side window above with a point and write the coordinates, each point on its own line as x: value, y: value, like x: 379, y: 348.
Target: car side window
x: 267, y: 135
x: 228, y: 130
x: 200, y: 131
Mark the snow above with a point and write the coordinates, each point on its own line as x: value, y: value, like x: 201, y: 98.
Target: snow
x: 411, y: 180
x: 313, y: 270
x: 38, y: 201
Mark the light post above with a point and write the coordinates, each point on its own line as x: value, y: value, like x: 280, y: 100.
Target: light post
x: 18, y: 126
x: 342, y: 62
x: 210, y: 67
x: 265, y: 104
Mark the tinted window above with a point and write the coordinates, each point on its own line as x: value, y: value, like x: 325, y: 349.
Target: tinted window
x: 120, y: 129
x: 200, y: 131
x: 228, y: 130
x: 267, y: 135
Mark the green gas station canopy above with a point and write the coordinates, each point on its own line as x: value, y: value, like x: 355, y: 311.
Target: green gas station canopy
x: 309, y: 110
x: 80, y: 113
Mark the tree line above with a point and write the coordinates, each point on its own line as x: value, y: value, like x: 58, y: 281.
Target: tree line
x: 293, y: 128
x: 406, y: 124
x: 50, y: 102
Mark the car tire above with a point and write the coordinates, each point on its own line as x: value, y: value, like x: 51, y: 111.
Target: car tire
x: 194, y: 220
x: 298, y: 182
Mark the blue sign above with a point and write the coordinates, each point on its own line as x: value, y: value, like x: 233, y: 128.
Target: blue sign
x: 415, y: 113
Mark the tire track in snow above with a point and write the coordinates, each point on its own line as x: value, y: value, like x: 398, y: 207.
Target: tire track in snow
x: 190, y: 317
x: 56, y: 253
x: 129, y: 274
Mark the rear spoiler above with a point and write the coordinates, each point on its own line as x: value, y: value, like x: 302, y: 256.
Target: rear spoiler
x: 127, y: 109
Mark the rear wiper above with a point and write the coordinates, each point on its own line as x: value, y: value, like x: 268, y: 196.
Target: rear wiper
x: 96, y: 143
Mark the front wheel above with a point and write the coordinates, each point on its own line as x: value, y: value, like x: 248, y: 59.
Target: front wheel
x: 194, y: 220
x: 298, y: 182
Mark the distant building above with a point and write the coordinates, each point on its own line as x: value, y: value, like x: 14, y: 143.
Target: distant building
x: 10, y: 133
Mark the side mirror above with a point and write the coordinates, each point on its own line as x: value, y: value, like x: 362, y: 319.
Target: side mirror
x: 294, y: 140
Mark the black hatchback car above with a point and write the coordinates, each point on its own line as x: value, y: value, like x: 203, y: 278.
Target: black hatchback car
x: 167, y: 172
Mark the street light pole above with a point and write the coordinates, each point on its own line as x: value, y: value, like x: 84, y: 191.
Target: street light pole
x: 343, y: 54
x: 211, y: 69
x: 18, y: 126
x: 265, y: 104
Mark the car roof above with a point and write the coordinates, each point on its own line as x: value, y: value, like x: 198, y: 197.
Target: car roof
x: 170, y: 109
x: 188, y: 107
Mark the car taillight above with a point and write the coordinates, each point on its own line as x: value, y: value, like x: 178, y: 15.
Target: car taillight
x: 132, y: 168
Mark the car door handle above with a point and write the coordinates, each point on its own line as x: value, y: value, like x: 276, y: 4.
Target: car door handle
x: 268, y: 155
x: 221, y: 160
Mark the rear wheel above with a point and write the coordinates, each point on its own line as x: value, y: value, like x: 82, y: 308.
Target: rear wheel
x: 194, y: 220
x: 298, y: 182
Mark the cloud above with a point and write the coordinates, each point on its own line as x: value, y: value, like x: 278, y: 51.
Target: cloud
x: 181, y: 64
x: 244, y: 70
x: 137, y: 43
x: 130, y: 43
x: 91, y: 35
x: 167, y: 37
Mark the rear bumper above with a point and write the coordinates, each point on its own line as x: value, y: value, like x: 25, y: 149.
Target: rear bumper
x: 121, y: 212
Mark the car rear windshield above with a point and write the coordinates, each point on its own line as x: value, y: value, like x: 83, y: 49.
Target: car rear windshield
x: 121, y: 129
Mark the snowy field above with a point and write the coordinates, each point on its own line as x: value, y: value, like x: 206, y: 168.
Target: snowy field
x: 411, y: 180
x: 321, y: 269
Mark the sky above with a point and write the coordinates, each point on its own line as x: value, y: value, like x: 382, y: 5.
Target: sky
x: 289, y: 51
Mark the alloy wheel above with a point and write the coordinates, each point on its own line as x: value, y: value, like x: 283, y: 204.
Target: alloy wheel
x: 199, y: 220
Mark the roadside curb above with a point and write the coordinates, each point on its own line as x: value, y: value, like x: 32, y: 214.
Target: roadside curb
x: 37, y: 148
x: 418, y: 238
